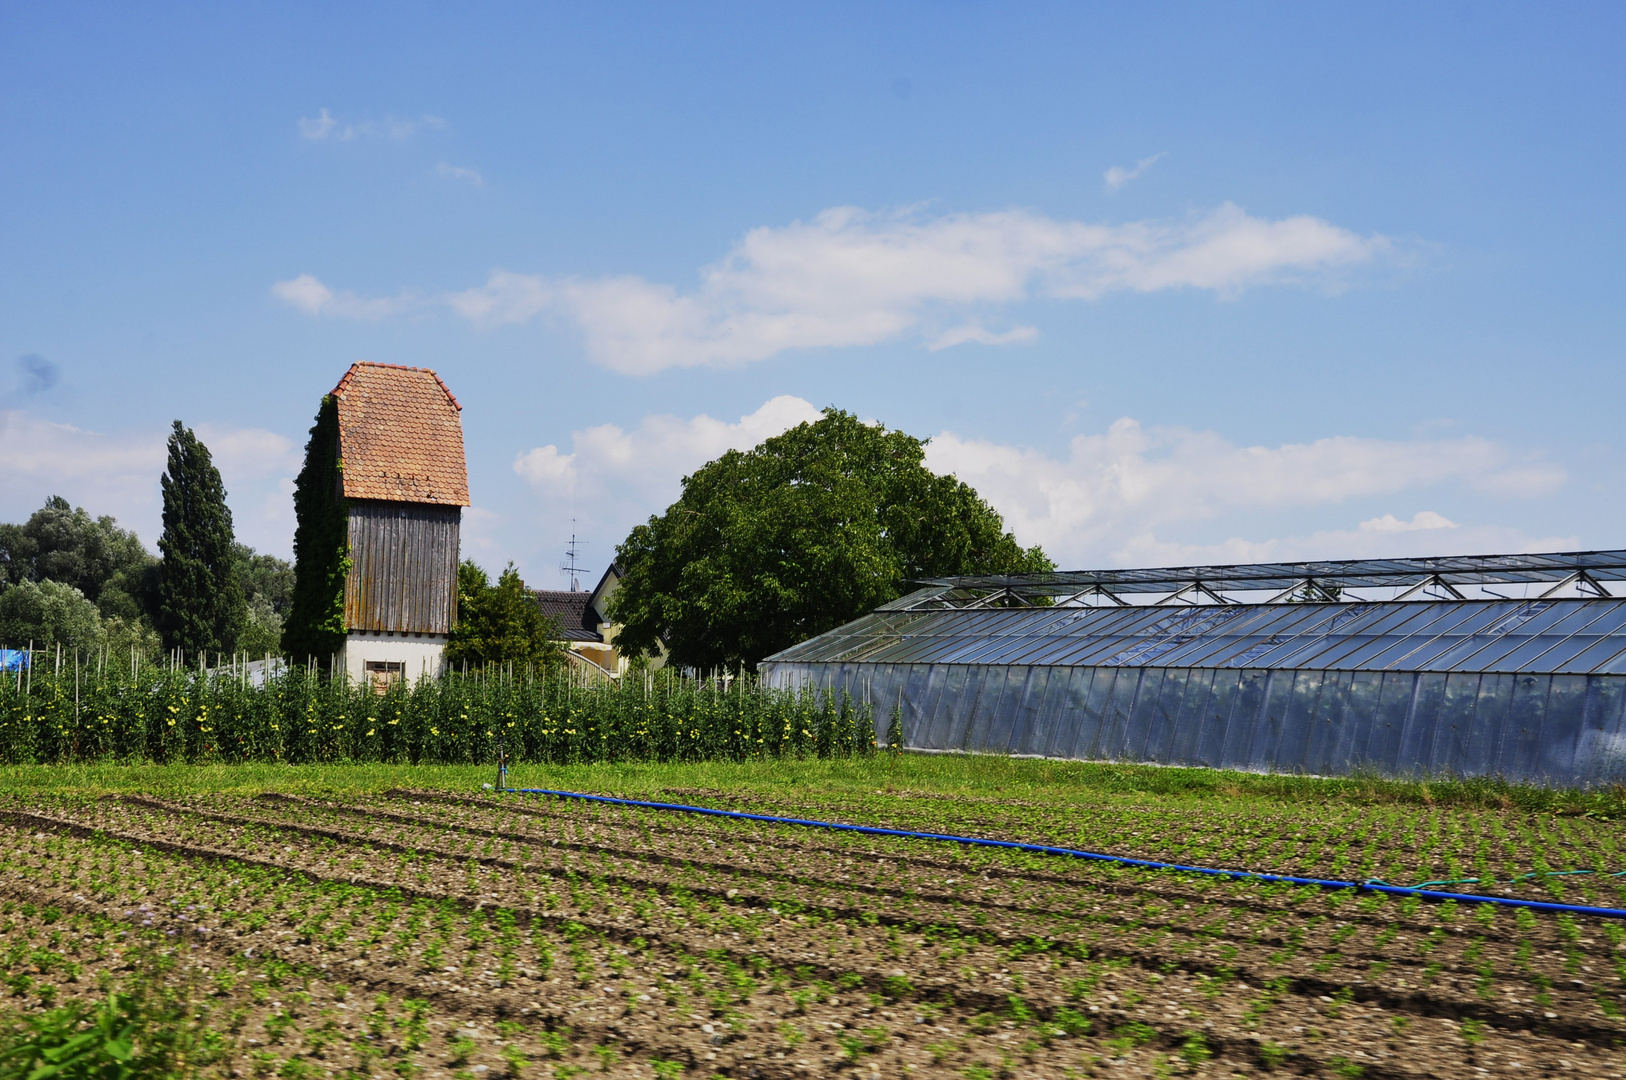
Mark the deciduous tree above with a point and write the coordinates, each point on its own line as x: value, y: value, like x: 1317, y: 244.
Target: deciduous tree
x: 65, y: 544
x: 809, y: 530
x: 48, y: 613
x: 499, y: 622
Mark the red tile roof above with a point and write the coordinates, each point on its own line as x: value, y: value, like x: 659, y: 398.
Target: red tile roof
x: 400, y: 436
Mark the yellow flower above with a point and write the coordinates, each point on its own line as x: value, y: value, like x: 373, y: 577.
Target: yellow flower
x: 434, y: 731
x: 369, y: 731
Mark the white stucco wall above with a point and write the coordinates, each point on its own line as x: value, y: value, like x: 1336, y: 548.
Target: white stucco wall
x: 419, y: 655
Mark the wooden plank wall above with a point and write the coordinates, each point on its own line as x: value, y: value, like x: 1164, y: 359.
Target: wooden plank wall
x: 404, y: 572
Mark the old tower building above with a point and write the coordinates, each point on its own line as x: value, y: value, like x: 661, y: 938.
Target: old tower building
x: 406, y: 483
x: 379, y: 504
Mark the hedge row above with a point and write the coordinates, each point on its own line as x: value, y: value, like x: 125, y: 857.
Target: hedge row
x: 301, y: 716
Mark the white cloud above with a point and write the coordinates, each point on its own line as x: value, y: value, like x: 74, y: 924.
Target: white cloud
x: 309, y: 295
x: 459, y: 172
x: 974, y: 332
x: 63, y: 454
x: 504, y: 298
x: 1107, y: 500
x: 612, y: 479
x: 249, y: 451
x: 851, y: 277
x: 1423, y: 519
x: 1117, y: 176
x: 548, y: 469
x: 1358, y: 543
x: 654, y: 457
x: 1129, y: 496
x: 477, y: 534
x: 118, y: 474
x: 319, y: 127
x: 324, y: 127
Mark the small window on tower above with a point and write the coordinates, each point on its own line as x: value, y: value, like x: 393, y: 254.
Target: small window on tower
x: 384, y: 674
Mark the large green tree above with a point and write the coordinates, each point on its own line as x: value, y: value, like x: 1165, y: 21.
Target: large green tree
x: 314, y: 623
x: 48, y: 613
x: 500, y: 622
x: 770, y: 546
x: 200, y: 600
x: 61, y: 543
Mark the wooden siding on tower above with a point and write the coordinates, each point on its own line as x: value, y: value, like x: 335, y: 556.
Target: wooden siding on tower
x: 403, y: 574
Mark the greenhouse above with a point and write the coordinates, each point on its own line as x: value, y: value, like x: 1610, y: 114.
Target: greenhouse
x: 1500, y: 665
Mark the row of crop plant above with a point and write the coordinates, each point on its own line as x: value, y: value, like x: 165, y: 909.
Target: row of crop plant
x: 159, y: 713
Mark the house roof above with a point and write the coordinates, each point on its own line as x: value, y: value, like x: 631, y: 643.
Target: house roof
x: 577, y: 620
x: 400, y: 436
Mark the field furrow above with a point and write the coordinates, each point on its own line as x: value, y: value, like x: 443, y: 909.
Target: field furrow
x: 567, y: 935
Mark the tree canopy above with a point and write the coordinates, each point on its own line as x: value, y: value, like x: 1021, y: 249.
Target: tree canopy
x: 809, y: 530
x: 48, y: 613
x: 499, y: 622
x: 200, y: 599
x: 61, y: 543
x: 268, y: 589
x: 61, y: 547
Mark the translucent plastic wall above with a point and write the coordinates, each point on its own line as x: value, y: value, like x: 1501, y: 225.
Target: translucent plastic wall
x: 1560, y: 729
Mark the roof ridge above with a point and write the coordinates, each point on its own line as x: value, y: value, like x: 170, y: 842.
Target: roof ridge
x: 344, y: 382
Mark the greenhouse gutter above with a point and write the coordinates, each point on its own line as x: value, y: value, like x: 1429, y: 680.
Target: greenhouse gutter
x: 1094, y: 856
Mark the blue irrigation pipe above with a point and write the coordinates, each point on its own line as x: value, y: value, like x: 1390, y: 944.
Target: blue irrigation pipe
x: 1073, y: 853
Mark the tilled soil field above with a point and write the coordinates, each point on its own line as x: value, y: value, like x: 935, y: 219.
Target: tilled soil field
x: 435, y: 934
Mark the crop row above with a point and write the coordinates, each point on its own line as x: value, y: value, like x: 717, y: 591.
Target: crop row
x: 1528, y: 856
x: 954, y: 923
x: 586, y: 982
x: 101, y: 712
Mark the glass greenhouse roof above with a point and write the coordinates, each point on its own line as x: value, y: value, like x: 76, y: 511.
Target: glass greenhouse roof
x: 1552, y: 636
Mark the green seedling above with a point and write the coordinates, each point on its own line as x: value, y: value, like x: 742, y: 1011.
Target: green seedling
x: 514, y: 1058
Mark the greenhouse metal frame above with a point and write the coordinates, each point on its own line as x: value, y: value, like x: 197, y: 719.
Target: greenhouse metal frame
x: 1506, y: 665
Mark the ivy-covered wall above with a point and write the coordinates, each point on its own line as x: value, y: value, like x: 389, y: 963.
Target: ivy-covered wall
x: 315, y: 624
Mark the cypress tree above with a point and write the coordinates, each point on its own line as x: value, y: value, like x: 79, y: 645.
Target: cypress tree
x: 200, y: 600
x: 315, y: 623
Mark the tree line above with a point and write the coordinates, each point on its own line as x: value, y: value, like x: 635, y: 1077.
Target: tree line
x: 764, y: 548
x: 85, y: 583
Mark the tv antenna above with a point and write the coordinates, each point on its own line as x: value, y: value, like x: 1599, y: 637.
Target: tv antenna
x: 569, y: 567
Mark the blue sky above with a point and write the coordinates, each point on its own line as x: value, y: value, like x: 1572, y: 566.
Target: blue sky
x: 1167, y: 284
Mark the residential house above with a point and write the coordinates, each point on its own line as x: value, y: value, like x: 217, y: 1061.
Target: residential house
x: 585, y: 624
